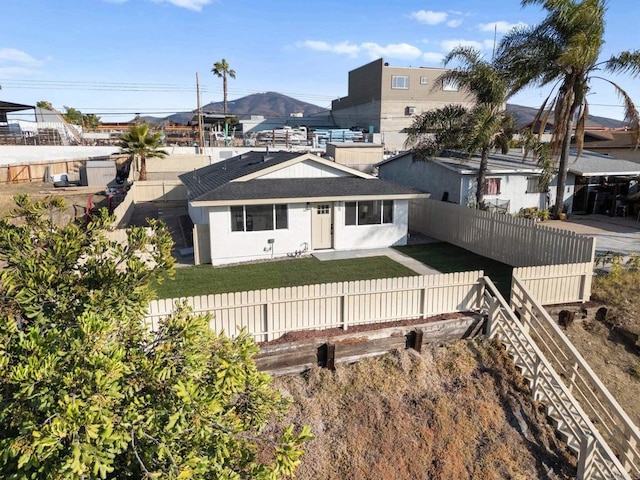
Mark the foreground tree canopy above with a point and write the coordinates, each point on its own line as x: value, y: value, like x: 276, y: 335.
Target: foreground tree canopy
x: 87, y: 391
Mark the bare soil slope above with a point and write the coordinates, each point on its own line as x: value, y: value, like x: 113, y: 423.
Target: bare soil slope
x: 455, y: 412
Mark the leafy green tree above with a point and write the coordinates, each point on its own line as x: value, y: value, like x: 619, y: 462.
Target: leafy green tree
x: 45, y: 104
x: 485, y: 126
x: 76, y: 117
x: 563, y: 51
x: 140, y: 144
x: 88, y: 391
x: 222, y: 70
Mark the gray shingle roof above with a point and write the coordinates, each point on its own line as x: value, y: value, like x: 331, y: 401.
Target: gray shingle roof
x: 215, y: 182
x: 213, y: 176
x: 305, y: 188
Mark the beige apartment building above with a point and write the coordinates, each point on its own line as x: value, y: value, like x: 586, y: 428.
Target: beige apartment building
x: 384, y: 99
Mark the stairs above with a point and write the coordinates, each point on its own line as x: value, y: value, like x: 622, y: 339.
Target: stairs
x: 596, y: 459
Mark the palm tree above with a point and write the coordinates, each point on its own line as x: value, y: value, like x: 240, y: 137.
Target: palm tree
x: 482, y: 128
x: 563, y: 51
x: 141, y: 144
x: 221, y: 70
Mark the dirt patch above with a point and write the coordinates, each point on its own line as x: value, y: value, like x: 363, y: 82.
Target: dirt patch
x: 76, y: 197
x: 612, y: 359
x: 459, y: 411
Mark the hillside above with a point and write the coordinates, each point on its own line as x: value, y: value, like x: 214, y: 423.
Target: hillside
x: 268, y: 104
x: 459, y: 411
x: 526, y: 115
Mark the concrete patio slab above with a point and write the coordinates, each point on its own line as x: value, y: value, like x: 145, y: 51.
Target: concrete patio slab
x: 394, y: 255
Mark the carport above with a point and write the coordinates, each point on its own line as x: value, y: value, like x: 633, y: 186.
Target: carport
x: 605, y: 185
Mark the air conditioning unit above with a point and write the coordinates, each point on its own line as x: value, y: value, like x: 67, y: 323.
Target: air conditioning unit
x: 410, y: 110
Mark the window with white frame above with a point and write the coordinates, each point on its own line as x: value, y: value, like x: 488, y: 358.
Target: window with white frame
x: 369, y: 212
x: 424, y: 81
x: 492, y: 186
x: 450, y: 86
x: 400, y: 81
x: 533, y: 185
x: 254, y: 218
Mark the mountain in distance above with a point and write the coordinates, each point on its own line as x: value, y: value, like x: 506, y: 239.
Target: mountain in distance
x: 268, y: 104
x: 525, y: 115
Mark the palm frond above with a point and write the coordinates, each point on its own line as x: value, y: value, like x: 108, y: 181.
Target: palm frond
x: 625, y: 62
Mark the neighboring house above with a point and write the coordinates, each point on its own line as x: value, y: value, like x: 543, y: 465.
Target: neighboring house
x: 385, y: 99
x: 362, y: 156
x: 262, y: 205
x: 511, y: 184
x: 593, y: 180
x: 615, y: 143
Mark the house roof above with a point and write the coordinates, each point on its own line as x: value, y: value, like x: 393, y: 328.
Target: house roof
x: 613, y: 139
x: 499, y: 163
x: 237, y: 180
x: 8, y: 107
x: 589, y: 164
x: 592, y: 164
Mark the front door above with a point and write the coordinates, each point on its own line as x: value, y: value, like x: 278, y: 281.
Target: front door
x: 321, y: 225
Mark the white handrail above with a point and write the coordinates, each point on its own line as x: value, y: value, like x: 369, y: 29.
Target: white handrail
x: 580, y: 378
x: 596, y: 459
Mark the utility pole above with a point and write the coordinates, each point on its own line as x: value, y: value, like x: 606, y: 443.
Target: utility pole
x: 200, y: 132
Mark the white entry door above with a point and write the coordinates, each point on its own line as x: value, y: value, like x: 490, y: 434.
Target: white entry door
x: 321, y: 225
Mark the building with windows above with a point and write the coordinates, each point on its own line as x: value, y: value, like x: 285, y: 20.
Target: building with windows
x: 262, y: 205
x: 385, y: 99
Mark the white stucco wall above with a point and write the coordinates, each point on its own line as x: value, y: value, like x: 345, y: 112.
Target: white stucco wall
x: 512, y: 187
x: 424, y: 176
x: 351, y: 237
x: 198, y: 215
x: 18, y: 154
x: 306, y: 169
x: 233, y: 247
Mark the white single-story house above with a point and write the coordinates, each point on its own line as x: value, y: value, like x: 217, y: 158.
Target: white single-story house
x: 262, y: 205
x: 512, y: 183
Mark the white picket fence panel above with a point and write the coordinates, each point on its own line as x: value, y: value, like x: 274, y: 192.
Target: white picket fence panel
x: 557, y: 284
x: 270, y: 313
x: 511, y: 240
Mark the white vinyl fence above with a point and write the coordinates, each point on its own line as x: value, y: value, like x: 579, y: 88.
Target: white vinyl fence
x: 511, y: 240
x: 557, y: 284
x: 268, y: 314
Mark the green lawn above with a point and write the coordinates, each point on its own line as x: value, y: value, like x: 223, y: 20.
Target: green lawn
x: 448, y: 258
x: 205, y: 279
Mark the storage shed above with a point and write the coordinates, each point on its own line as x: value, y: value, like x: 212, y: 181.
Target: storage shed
x: 98, y: 173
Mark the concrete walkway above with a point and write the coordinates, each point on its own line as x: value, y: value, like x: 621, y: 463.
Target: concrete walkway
x: 393, y: 254
x: 617, y: 234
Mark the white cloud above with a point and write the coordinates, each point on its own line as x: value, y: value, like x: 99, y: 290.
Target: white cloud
x: 12, y: 55
x: 454, y: 23
x: 393, y: 50
x: 341, y: 48
x: 374, y: 50
x: 429, y: 17
x: 500, y: 26
x: 433, y: 57
x: 195, y: 5
x: 448, y: 45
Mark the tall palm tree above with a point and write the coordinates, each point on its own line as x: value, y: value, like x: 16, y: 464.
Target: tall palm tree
x: 563, y: 51
x: 480, y: 129
x: 221, y: 70
x: 141, y: 144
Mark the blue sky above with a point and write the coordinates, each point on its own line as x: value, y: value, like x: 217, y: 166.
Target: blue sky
x: 116, y: 58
